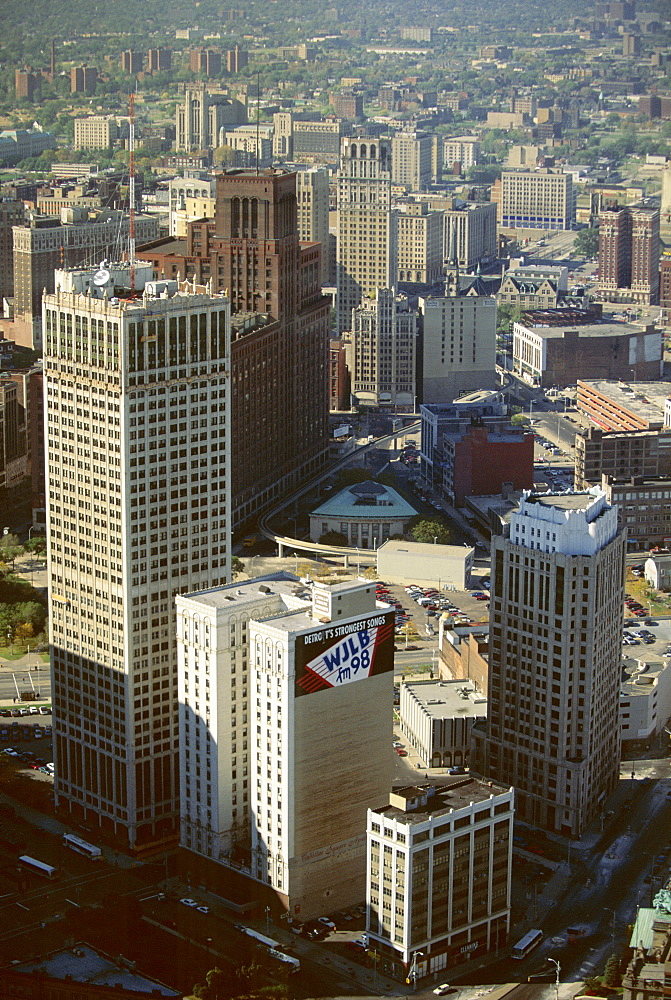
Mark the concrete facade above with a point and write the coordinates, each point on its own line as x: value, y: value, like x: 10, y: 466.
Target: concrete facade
x: 426, y: 565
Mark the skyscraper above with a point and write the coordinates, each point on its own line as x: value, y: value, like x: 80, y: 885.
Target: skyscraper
x: 555, y: 653
x: 138, y: 510
x: 280, y: 321
x: 366, y: 252
x: 381, y: 350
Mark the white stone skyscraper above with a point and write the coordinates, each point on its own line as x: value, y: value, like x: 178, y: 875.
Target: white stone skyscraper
x: 138, y: 509
x: 555, y: 655
x: 367, y: 225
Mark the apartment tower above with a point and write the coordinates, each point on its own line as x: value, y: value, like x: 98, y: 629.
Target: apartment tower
x: 629, y: 251
x: 137, y: 401
x: 366, y: 254
x: 555, y: 655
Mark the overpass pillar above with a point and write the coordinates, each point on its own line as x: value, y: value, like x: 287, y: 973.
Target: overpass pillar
x: 280, y: 549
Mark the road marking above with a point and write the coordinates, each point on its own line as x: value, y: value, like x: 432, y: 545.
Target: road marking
x: 24, y: 907
x: 68, y: 901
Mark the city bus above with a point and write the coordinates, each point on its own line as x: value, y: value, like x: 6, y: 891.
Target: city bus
x: 526, y: 944
x: 81, y: 847
x: 38, y: 867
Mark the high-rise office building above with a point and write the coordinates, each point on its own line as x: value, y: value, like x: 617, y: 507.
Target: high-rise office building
x: 469, y: 234
x: 419, y: 244
x: 279, y: 353
x: 537, y: 199
x: 458, y: 346
x: 411, y: 160
x: 381, y: 349
x: 312, y: 199
x: 629, y: 250
x: 555, y: 655
x: 366, y: 251
x: 45, y: 243
x: 439, y: 875
x: 288, y: 672
x: 137, y: 391
x: 12, y: 213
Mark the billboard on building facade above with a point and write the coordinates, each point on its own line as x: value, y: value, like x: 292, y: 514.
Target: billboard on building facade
x: 344, y: 652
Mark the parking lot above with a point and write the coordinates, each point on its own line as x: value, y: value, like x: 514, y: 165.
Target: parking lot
x: 421, y: 607
x: 26, y: 737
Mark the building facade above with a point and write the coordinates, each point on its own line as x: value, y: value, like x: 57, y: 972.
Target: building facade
x: 555, y: 652
x: 420, y: 244
x: 366, y: 251
x: 629, y: 252
x: 12, y: 213
x: 312, y: 200
x: 463, y: 150
x: 469, y: 235
x: 96, y: 132
x: 458, y: 346
x: 138, y: 517
x: 537, y: 199
x: 45, y: 243
x: 436, y: 718
x: 382, y: 351
x: 643, y: 508
x: 201, y: 116
x: 620, y: 454
x: 319, y: 677
x: 439, y: 876
x: 412, y: 160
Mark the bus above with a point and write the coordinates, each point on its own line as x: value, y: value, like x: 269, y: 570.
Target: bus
x: 38, y: 867
x: 81, y: 847
x: 526, y: 944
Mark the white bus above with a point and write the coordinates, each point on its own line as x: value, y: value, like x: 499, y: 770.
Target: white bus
x: 81, y: 847
x: 526, y: 944
x: 38, y: 867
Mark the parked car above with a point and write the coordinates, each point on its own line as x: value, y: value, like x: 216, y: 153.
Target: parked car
x: 327, y: 923
x: 457, y: 769
x: 189, y: 902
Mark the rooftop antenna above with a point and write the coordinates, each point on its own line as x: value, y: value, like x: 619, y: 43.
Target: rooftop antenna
x: 258, y: 115
x: 131, y: 188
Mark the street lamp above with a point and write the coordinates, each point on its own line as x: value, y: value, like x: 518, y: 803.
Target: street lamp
x: 413, y: 974
x: 267, y: 911
x: 556, y: 963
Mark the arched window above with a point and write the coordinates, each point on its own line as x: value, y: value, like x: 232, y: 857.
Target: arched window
x: 362, y: 153
x: 352, y: 151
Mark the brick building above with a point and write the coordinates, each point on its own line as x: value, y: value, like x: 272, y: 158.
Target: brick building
x: 279, y: 353
x: 479, y: 460
x: 131, y: 62
x: 629, y: 251
x: 83, y: 79
x: 620, y: 454
x: 547, y: 355
x: 339, y: 381
x: 206, y: 61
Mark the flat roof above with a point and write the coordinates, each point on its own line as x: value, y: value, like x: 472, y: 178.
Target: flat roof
x: 458, y: 793
x: 448, y: 699
x: 427, y: 550
x: 588, y: 330
x: 644, y: 399
x: 250, y: 592
x: 563, y: 501
x: 84, y: 965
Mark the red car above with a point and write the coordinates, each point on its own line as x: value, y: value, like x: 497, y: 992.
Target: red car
x: 402, y: 753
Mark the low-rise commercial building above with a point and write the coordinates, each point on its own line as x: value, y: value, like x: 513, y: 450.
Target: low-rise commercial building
x: 560, y: 355
x: 436, y: 719
x: 463, y: 652
x: 643, y: 507
x: 645, y: 700
x: 620, y: 454
x: 438, y: 882
x: 427, y: 565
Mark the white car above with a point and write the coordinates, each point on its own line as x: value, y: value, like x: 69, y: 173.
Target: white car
x: 442, y: 991
x: 327, y: 923
x: 203, y: 909
x: 189, y: 902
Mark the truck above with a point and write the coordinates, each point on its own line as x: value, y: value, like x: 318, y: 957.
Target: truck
x: 249, y: 541
x: 272, y: 948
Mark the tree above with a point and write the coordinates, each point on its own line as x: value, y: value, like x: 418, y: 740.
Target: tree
x: 333, y: 538
x: 611, y: 974
x: 431, y: 531
x: 10, y: 548
x: 237, y: 566
x: 507, y: 314
x: 519, y: 419
x: 586, y: 242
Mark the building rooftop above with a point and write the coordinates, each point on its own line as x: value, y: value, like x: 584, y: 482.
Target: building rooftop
x: 442, y: 797
x: 562, y: 501
x: 645, y: 400
x: 588, y: 330
x: 427, y: 550
x: 446, y: 699
x: 366, y: 500
x: 638, y: 675
x: 84, y: 965
x: 248, y: 592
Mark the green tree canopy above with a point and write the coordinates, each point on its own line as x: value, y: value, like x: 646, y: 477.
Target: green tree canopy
x: 586, y: 242
x: 333, y: 538
x: 431, y: 531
